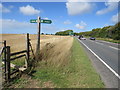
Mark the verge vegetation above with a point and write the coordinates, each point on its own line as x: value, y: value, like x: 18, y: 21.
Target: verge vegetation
x: 65, y: 65
x: 62, y: 64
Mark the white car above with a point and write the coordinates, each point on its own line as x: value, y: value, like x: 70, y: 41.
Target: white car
x: 83, y: 38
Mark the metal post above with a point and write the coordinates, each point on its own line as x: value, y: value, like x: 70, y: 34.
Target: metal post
x: 8, y: 63
x: 38, y: 37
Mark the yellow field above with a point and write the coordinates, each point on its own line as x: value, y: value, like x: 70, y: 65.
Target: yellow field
x: 17, y: 42
x: 54, y: 49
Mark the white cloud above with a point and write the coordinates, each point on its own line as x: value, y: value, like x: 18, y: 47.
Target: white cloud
x: 75, y: 8
x: 4, y: 9
x: 115, y: 18
x: 13, y: 26
x: 46, y: 18
x: 82, y: 25
x: 67, y: 22
x: 62, y: 30
x: 92, y: 0
x: 29, y: 10
x: 110, y: 7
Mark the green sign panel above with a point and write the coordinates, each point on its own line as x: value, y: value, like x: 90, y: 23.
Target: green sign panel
x: 71, y: 33
x: 33, y: 21
x: 42, y: 21
x: 46, y: 21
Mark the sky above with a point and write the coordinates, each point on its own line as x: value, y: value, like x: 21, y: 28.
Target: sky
x: 76, y: 16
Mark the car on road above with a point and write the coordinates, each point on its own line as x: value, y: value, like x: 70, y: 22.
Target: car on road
x: 83, y: 38
x: 92, y: 38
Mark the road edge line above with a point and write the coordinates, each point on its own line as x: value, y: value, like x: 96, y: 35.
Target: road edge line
x: 101, y: 60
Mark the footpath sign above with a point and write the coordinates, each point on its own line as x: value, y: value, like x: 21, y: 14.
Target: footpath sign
x: 46, y: 21
x: 33, y: 21
x: 71, y: 33
x: 39, y: 21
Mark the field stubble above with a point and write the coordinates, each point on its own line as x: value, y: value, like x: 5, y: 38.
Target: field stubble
x: 17, y: 42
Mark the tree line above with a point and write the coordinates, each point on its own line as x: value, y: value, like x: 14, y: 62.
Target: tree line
x: 64, y: 33
x: 112, y: 32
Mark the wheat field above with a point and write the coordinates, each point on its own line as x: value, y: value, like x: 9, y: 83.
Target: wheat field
x: 17, y: 42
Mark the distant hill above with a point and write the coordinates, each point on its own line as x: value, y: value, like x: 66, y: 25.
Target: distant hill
x: 112, y: 32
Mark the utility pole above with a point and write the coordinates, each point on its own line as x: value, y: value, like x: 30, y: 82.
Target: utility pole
x: 38, y: 37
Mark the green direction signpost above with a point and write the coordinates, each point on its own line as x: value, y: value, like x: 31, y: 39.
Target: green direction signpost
x: 39, y: 21
x: 46, y: 21
x: 71, y: 33
x: 33, y: 21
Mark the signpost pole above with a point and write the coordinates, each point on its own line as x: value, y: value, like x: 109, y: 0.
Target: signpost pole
x: 38, y: 37
x: 39, y: 21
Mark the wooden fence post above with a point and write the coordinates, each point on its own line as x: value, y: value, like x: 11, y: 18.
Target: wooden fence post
x: 28, y: 50
x: 38, y: 38
x: 8, y: 64
x: 5, y: 57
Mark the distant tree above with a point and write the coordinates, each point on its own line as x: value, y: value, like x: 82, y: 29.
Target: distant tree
x: 42, y: 33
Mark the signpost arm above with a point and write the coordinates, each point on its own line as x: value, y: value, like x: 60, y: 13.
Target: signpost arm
x: 38, y: 38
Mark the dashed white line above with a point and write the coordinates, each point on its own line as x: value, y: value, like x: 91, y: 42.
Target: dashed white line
x: 99, y: 43
x: 116, y: 74
x: 96, y: 42
x: 104, y: 44
x: 114, y: 48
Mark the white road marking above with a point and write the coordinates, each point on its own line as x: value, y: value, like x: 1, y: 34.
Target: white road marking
x: 114, y: 48
x: 99, y: 43
x: 116, y: 74
x: 96, y: 42
x: 107, y: 45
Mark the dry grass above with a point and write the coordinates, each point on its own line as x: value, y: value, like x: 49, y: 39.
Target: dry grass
x: 18, y: 41
x: 57, y: 53
x: 54, y: 49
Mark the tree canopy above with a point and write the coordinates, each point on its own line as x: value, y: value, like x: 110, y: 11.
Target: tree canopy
x: 67, y: 32
x: 112, y: 32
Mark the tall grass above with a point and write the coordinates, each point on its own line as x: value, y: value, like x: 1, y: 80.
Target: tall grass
x: 75, y: 72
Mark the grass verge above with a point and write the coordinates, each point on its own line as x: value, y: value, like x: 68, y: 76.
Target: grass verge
x: 109, y: 40
x: 78, y: 73
x: 106, y: 39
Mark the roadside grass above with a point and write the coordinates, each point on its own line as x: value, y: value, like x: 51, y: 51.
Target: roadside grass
x: 106, y: 39
x: 109, y: 40
x: 85, y: 75
x: 77, y: 73
x: 19, y: 62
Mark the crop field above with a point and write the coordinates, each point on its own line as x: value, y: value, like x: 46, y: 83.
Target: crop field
x: 17, y: 42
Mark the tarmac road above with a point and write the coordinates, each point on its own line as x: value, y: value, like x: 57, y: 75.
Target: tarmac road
x: 104, y: 56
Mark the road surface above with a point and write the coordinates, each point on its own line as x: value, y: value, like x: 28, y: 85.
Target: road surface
x: 106, y: 53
